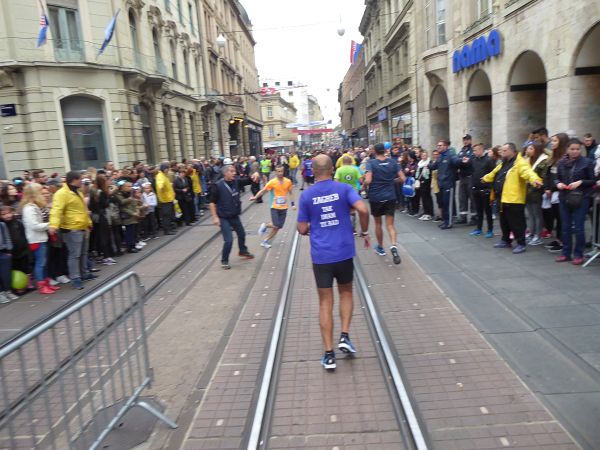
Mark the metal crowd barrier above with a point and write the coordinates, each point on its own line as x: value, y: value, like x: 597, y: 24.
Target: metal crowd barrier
x: 595, y: 230
x: 67, y: 382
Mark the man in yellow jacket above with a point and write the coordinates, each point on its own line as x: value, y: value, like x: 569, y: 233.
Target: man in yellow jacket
x: 294, y: 163
x: 510, y: 180
x: 70, y: 215
x: 165, y: 194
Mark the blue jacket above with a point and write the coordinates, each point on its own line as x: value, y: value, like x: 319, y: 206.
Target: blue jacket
x: 447, y: 169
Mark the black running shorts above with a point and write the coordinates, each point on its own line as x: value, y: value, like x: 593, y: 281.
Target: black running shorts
x: 387, y: 208
x: 278, y: 217
x: 342, y: 272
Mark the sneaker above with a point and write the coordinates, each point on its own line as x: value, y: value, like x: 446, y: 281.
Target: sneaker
x: 225, y: 265
x: 156, y: 237
x: 11, y: 295
x: 328, y: 361
x: 114, y: 261
x: 3, y: 298
x: 265, y: 244
x: 489, y: 234
x: 577, y: 261
x: 545, y: 234
x: 53, y: 282
x: 437, y: 219
x: 519, y: 249
x: 76, y: 283
x: 535, y: 241
x: 146, y: 239
x: 142, y: 243
x: 555, y: 248
x: 63, y: 279
x: 107, y: 262
x: 89, y: 276
x: 476, y: 232
x: 246, y: 255
x: 552, y: 244
x: 395, y: 255
x: 427, y: 218
x: 502, y: 244
x: 139, y: 246
x: 379, y: 250
x: 445, y: 227
x: 345, y: 344
x: 133, y: 250
x: 262, y: 229
x: 562, y: 258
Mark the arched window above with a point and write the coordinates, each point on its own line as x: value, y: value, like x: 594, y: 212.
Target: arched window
x: 173, y: 60
x: 186, y: 66
x: 160, y: 67
x: 135, y: 46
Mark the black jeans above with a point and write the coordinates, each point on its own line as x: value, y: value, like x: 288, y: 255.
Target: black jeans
x: 512, y: 218
x: 481, y: 198
x: 426, y: 200
x: 227, y: 227
x: 167, y: 214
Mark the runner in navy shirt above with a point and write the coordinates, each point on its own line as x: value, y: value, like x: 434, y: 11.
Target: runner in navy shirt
x: 324, y: 211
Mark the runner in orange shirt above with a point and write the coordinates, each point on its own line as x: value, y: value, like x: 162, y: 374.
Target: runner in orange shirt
x: 280, y: 188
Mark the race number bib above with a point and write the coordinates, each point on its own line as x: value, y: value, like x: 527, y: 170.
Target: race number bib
x: 280, y: 200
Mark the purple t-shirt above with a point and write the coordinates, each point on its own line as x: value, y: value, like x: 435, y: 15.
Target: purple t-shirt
x: 307, y: 164
x: 326, y: 207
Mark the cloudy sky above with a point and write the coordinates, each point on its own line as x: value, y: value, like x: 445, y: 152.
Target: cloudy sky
x: 298, y: 41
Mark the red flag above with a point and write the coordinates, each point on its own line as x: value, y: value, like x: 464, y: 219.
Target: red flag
x: 352, y: 51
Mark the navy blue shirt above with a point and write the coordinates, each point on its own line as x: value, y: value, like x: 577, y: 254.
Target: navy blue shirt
x: 384, y: 173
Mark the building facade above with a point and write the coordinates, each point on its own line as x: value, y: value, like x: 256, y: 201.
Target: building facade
x: 353, y: 104
x: 498, y: 70
x: 277, y: 113
x: 389, y: 54
x: 146, y: 97
x: 233, y: 113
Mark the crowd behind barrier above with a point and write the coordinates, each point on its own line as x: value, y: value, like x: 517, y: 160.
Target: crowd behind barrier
x: 55, y: 229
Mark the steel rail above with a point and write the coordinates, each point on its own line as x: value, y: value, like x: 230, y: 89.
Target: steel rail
x: 126, y: 268
x: 265, y: 386
x: 390, y: 360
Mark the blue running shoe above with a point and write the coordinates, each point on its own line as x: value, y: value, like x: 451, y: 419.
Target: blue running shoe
x: 379, y: 250
x: 345, y: 345
x: 489, y: 234
x: 476, y: 232
x: 328, y: 361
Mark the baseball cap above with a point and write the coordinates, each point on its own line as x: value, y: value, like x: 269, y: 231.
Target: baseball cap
x: 467, y: 136
x: 227, y: 162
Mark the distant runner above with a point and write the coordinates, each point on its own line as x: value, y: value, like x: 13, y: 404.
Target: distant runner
x: 280, y: 188
x: 325, y: 213
x: 350, y: 174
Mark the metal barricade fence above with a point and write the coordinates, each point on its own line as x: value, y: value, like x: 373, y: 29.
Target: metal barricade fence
x: 595, y: 229
x: 76, y: 375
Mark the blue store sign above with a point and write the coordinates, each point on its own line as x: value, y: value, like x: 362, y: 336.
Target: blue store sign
x: 482, y: 49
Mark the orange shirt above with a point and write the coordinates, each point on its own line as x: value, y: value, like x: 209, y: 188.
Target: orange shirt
x: 279, y: 192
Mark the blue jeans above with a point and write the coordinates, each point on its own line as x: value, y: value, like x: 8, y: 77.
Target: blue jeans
x: 447, y: 203
x: 39, y: 266
x: 227, y: 227
x: 293, y: 174
x: 573, y: 221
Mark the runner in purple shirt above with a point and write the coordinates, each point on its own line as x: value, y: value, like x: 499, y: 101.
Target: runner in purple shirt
x: 324, y: 210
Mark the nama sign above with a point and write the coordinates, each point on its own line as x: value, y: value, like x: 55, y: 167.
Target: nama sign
x: 480, y: 50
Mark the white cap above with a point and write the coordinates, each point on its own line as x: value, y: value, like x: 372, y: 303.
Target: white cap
x: 227, y: 162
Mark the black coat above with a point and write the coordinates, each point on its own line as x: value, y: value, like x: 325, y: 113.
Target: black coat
x: 179, y: 185
x: 582, y: 169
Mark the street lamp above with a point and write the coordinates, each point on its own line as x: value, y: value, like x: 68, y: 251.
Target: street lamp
x: 221, y: 40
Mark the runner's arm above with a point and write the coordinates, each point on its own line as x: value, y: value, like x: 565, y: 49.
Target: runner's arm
x: 303, y: 228
x: 368, y: 178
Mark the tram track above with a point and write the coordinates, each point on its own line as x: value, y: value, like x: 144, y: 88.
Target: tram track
x: 131, y: 266
x: 259, y: 428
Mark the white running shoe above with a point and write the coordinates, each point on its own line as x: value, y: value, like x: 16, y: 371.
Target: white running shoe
x: 54, y: 282
x: 262, y: 229
x: 265, y: 244
x: 63, y: 279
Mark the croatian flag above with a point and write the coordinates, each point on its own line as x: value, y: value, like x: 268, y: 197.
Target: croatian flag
x: 43, y: 35
x: 354, y: 49
x: 108, y: 32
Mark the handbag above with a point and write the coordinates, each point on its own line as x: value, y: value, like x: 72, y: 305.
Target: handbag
x: 573, y: 199
x: 408, y: 188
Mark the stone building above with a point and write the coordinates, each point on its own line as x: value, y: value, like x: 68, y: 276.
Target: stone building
x: 352, y: 98
x: 499, y: 69
x: 389, y: 54
x: 277, y: 113
x: 145, y: 98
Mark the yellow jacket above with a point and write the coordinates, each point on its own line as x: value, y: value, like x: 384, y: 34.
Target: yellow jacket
x: 164, y: 188
x: 515, y: 185
x: 294, y: 161
x: 338, y: 163
x: 69, y: 210
x: 196, y: 185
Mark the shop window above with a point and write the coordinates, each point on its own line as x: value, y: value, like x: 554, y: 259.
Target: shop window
x: 83, y: 121
x: 65, y: 29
